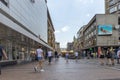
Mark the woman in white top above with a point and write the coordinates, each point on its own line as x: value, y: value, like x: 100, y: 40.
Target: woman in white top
x: 76, y: 56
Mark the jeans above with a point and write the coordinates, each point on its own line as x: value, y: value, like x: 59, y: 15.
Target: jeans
x: 118, y: 60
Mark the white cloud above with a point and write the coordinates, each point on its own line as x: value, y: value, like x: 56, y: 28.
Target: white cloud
x: 57, y: 31
x: 82, y: 1
x: 85, y: 1
x: 63, y: 44
x: 88, y: 15
x: 65, y: 28
x: 92, y: 1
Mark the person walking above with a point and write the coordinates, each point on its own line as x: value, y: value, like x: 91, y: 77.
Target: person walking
x: 118, y: 56
x: 101, y: 56
x: 109, y: 56
x: 2, y: 54
x: 76, y: 56
x: 66, y: 57
x: 40, y: 58
x: 56, y: 55
x: 49, y: 56
x: 112, y: 57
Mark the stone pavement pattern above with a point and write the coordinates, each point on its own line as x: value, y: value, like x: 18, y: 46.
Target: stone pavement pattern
x: 60, y: 70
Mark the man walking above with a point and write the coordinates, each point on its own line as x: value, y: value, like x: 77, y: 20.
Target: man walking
x: 56, y: 55
x: 2, y: 54
x: 40, y: 58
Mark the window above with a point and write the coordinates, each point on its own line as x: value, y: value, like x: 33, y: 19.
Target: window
x: 112, y: 2
x: 119, y: 6
x: 119, y: 21
x: 5, y: 2
x: 113, y: 9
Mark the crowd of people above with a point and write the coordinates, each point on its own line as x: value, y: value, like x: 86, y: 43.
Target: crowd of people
x: 109, y: 57
x: 105, y: 57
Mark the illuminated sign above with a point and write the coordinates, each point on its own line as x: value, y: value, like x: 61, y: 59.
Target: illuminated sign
x: 104, y: 29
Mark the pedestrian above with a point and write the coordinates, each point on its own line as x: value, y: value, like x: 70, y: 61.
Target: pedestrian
x: 101, y: 56
x: 112, y: 57
x: 118, y: 56
x: 56, y: 55
x: 76, y: 56
x: 109, y: 56
x: 46, y: 55
x: 40, y: 58
x: 67, y: 56
x: 49, y: 56
x: 2, y: 54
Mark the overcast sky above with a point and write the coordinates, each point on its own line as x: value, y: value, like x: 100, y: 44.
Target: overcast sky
x: 69, y: 15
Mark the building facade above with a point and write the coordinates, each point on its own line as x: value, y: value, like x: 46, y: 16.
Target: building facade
x: 101, y: 32
x: 24, y: 26
x: 57, y: 47
x: 69, y: 46
x: 112, y: 6
x: 51, y: 30
x: 106, y: 6
x: 80, y: 38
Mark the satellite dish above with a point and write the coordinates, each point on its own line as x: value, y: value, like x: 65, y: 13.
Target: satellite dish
x: 117, y: 26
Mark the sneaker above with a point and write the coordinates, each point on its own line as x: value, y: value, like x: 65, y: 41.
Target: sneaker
x: 42, y: 70
x: 35, y: 68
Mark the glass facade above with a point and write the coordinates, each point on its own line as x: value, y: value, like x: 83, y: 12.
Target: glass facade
x: 32, y: 16
x: 22, y: 21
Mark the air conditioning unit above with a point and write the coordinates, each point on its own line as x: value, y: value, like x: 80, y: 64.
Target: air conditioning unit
x: 117, y: 27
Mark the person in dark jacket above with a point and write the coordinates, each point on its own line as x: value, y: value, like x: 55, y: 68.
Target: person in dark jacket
x: 2, y: 54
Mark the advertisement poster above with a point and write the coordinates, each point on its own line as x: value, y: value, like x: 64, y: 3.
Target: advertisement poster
x: 104, y: 29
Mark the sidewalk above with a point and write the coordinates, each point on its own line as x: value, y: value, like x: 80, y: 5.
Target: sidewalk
x: 60, y: 70
x: 96, y: 62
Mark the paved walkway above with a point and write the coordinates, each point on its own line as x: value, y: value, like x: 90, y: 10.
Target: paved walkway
x: 96, y: 62
x: 60, y: 70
